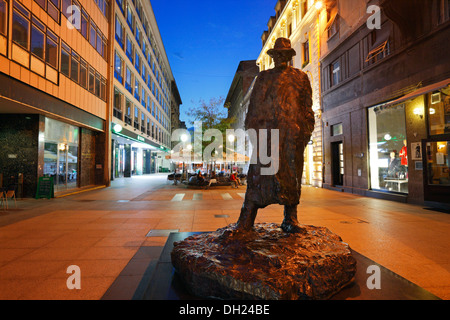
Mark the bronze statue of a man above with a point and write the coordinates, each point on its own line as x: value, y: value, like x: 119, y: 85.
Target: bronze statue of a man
x: 281, y: 99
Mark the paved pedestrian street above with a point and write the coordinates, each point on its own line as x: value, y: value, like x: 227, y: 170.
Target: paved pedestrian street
x: 113, y: 234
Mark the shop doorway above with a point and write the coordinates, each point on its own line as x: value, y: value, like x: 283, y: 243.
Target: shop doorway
x: 436, y: 170
x: 337, y: 166
x: 61, y: 163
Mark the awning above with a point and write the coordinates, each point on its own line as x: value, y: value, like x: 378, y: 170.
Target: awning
x: 421, y: 91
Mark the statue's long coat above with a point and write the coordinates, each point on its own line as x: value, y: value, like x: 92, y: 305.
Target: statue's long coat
x: 281, y: 99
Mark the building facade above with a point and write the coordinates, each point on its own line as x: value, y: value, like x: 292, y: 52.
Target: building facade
x: 301, y: 22
x: 54, y: 94
x: 385, y: 96
x: 144, y: 93
x: 240, y: 86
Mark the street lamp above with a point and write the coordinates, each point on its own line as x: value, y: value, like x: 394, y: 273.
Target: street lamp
x: 318, y: 5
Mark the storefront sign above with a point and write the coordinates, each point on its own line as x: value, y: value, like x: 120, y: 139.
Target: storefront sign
x: 141, y: 138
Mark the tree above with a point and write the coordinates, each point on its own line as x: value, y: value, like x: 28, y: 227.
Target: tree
x: 213, y: 115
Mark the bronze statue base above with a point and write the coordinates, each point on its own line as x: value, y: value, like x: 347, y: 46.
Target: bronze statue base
x: 266, y: 263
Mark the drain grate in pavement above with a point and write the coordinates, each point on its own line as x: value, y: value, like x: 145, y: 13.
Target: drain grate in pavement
x: 160, y: 232
x: 221, y: 216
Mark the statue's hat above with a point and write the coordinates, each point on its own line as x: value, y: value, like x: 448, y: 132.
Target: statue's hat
x: 283, y: 45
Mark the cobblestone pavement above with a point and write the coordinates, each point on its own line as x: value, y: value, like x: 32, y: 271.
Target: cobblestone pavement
x: 112, y: 234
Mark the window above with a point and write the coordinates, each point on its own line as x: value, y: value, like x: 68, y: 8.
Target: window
x: 3, y: 26
x: 37, y: 38
x: 118, y: 67
x: 335, y: 73
x: 136, y: 88
x: 305, y: 54
x: 119, y: 32
x: 379, y: 52
x: 129, y: 48
x: 333, y: 25
x: 93, y: 34
x: 74, y: 66
x: 84, y: 23
x: 136, y: 117
x: 138, y: 36
x: 83, y: 73
x: 388, y: 148
x: 130, y: 16
x: 65, y: 6
x: 336, y: 130
x: 52, y: 7
x: 117, y: 112
x: 128, y: 113
x: 20, y: 26
x: 97, y: 85
x: 137, y: 62
x: 103, y: 89
x: 91, y: 80
x: 378, y: 44
x: 3, y: 16
x: 65, y: 59
x: 99, y: 43
x: 128, y: 80
x: 51, y: 49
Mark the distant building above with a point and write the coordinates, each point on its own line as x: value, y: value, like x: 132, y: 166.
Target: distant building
x: 242, y: 81
x: 54, y: 114
x: 146, y: 97
x: 386, y: 99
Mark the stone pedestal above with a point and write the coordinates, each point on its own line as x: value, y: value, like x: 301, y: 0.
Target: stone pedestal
x: 266, y: 263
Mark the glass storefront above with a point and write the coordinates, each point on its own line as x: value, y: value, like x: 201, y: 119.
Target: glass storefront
x: 388, y: 148
x: 61, y: 154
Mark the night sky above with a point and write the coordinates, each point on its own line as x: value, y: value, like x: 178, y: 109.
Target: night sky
x: 206, y: 40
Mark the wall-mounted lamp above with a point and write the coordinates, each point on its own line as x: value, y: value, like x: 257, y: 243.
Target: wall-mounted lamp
x: 418, y: 112
x: 318, y: 5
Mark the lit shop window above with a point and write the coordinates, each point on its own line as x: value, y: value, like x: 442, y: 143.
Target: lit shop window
x: 388, y: 148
